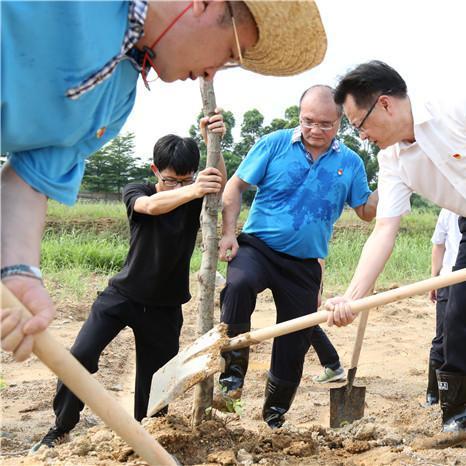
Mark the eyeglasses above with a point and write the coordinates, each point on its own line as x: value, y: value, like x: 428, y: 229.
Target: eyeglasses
x: 366, y: 116
x: 359, y: 127
x: 173, y: 182
x: 326, y: 126
x: 232, y: 63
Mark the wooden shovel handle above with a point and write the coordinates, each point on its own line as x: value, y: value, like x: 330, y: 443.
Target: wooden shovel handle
x: 359, y: 338
x: 359, y: 305
x: 90, y: 391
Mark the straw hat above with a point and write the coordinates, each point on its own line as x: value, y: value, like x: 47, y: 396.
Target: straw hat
x: 291, y: 37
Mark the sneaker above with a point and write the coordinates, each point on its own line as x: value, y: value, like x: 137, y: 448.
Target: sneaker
x: 330, y: 375
x: 55, y: 436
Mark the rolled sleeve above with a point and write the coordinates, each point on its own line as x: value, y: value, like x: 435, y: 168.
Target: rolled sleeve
x: 441, y: 230
x: 254, y: 167
x: 55, y: 172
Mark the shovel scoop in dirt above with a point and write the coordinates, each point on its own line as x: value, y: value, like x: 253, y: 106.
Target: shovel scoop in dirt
x: 202, y: 359
x: 347, y: 403
x: 192, y: 365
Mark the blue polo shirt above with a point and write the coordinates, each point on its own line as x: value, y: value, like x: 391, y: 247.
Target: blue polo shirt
x: 298, y: 200
x: 46, y: 49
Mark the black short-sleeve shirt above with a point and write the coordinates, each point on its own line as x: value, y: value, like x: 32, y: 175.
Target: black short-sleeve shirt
x: 156, y: 270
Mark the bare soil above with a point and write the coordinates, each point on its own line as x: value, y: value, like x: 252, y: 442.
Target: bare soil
x: 396, y: 428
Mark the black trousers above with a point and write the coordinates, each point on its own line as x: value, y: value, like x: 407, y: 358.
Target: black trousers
x: 454, y: 335
x: 436, y: 350
x: 156, y: 333
x: 295, y: 286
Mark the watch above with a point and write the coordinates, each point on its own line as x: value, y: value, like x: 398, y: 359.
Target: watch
x: 21, y: 269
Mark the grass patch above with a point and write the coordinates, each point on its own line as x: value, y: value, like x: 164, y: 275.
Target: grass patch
x: 100, y: 253
x: 85, y: 211
x: 74, y: 256
x: 409, y: 262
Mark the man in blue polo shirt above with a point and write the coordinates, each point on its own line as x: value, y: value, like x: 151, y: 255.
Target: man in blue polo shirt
x: 304, y: 177
x: 68, y: 83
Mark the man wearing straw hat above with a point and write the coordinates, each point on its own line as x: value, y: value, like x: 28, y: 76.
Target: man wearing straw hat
x: 69, y: 74
x: 423, y: 151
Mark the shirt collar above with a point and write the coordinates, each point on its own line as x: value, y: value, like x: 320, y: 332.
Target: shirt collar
x: 137, y: 11
x: 420, y: 113
x: 296, y: 137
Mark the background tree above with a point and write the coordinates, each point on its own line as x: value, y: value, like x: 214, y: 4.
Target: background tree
x: 251, y: 131
x: 115, y: 165
x: 291, y: 120
x: 231, y: 160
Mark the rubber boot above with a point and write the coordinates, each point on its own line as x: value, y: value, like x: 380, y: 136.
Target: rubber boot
x: 452, y: 393
x: 236, y: 365
x: 231, y: 380
x: 279, y: 395
x: 432, y: 396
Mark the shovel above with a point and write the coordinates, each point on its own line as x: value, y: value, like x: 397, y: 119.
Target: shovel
x: 347, y: 402
x: 90, y: 391
x: 202, y: 359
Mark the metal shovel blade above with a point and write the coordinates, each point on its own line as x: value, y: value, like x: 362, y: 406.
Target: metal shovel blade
x: 347, y: 402
x: 192, y: 365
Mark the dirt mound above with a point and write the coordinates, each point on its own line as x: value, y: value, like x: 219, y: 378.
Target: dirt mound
x: 396, y: 429
x: 215, y: 442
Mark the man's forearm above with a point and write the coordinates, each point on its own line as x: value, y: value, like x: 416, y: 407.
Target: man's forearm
x: 374, y: 256
x: 23, y: 220
x: 165, y: 201
x: 438, y: 252
x: 368, y: 211
x: 231, y: 209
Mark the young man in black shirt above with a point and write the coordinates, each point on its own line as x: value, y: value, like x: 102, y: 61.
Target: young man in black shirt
x: 148, y: 292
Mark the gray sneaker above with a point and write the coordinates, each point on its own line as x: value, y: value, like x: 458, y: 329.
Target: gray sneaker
x: 330, y: 375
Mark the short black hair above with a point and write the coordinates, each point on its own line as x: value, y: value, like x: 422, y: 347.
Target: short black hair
x: 369, y: 80
x: 180, y: 154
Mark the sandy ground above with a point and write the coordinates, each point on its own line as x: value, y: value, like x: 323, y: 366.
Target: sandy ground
x: 396, y: 429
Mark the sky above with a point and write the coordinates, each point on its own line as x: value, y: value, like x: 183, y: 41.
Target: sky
x: 424, y: 40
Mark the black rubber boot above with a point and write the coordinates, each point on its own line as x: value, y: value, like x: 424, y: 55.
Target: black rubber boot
x: 278, y: 398
x: 231, y: 380
x: 236, y: 365
x: 432, y: 397
x: 452, y: 392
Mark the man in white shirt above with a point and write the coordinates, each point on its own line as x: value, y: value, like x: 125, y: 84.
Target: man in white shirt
x: 445, y: 244
x: 423, y: 151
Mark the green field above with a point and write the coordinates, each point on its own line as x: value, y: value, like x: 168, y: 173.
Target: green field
x: 84, y: 245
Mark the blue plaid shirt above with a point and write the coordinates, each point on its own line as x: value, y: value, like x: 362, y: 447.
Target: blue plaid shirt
x: 68, y: 84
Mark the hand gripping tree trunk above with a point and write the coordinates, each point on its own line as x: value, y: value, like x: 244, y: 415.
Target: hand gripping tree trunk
x: 204, y: 391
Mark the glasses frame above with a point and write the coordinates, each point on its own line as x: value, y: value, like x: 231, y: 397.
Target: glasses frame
x: 317, y: 125
x: 234, y: 64
x: 366, y: 116
x: 182, y: 183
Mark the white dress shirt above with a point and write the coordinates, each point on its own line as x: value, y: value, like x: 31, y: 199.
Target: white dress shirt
x: 434, y: 166
x: 447, y: 232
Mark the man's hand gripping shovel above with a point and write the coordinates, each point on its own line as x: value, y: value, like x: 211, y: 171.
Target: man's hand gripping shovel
x: 202, y: 359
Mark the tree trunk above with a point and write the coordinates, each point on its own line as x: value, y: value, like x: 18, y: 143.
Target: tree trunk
x: 203, y: 392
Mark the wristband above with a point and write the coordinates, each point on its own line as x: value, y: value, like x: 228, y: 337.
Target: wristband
x: 21, y: 269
